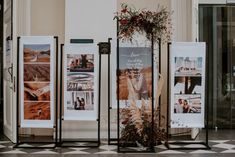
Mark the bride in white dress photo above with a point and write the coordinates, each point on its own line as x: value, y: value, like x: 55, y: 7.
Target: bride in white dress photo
x: 131, y: 81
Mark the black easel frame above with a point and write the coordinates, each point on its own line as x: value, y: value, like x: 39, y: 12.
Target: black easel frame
x: 159, y: 69
x: 18, y: 142
x: 113, y: 141
x: 206, y: 143
x: 151, y: 148
x: 105, y: 49
x: 62, y: 142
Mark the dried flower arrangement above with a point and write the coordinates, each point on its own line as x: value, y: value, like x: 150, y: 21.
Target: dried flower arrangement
x: 154, y: 25
x: 137, y: 125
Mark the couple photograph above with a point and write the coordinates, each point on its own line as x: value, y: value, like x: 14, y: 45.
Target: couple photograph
x: 80, y: 101
x: 187, y: 104
x: 79, y: 104
x: 135, y: 73
x: 136, y: 85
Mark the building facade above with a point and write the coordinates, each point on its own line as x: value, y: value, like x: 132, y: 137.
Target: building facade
x: 211, y: 21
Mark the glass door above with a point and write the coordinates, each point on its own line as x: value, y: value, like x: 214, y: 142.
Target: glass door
x: 217, y: 29
x: 1, y: 68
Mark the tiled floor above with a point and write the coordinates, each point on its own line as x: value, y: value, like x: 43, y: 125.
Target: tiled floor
x: 219, y: 147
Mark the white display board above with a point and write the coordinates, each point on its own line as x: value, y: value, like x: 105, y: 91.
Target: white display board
x: 187, y: 84
x: 36, y: 81
x: 80, y: 82
x: 134, y: 57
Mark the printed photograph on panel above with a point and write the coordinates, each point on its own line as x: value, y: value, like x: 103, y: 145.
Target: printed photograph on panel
x: 37, y: 111
x: 135, y: 73
x: 37, y: 72
x: 80, y: 81
x: 187, y: 103
x: 34, y: 53
x: 185, y: 66
x: 36, y: 91
x: 80, y: 62
x: 80, y: 101
x: 187, y: 85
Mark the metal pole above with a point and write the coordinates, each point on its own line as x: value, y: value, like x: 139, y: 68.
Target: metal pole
x: 109, y: 107
x: 56, y: 104
x: 207, y: 106
x: 152, y: 53
x: 159, y: 101
x: 18, y: 92
x: 99, y: 98
x: 168, y: 92
x: 61, y: 94
x: 117, y: 75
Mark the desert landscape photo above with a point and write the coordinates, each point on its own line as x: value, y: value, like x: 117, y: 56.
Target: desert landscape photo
x: 37, y: 72
x: 36, y: 91
x: 37, y: 111
x: 37, y: 53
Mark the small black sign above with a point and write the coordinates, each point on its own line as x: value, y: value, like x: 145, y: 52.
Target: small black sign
x: 104, y: 48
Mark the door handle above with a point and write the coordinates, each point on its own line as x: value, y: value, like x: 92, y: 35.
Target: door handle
x: 10, y: 71
x: 234, y: 71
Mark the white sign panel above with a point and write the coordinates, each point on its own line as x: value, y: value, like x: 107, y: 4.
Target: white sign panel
x: 36, y: 74
x: 135, y: 72
x: 80, y: 82
x: 187, y: 84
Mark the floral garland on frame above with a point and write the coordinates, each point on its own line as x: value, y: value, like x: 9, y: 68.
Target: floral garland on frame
x: 154, y: 24
x: 136, y: 122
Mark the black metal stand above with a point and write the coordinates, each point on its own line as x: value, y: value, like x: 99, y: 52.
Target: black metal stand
x: 180, y: 143
x: 74, y: 142
x: 128, y: 148
x: 18, y: 141
x: 105, y: 49
x: 159, y: 62
x: 111, y: 141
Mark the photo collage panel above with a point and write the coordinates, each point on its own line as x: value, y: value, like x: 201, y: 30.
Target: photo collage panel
x: 80, y: 81
x: 37, y: 81
x: 187, y: 85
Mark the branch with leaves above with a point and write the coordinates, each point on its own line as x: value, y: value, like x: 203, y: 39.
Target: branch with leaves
x: 154, y: 24
x: 137, y: 122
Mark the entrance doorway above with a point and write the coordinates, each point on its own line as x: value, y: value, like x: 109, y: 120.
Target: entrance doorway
x: 217, y: 29
x: 1, y: 67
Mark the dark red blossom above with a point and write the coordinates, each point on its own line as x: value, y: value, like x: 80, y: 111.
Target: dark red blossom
x: 155, y: 24
x: 123, y: 22
x: 124, y: 10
